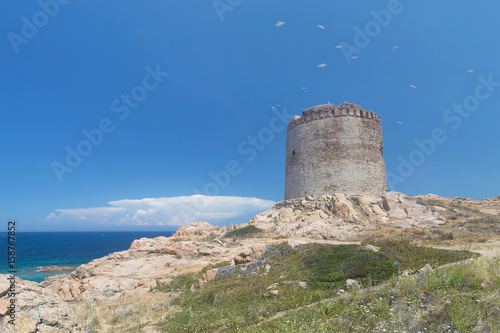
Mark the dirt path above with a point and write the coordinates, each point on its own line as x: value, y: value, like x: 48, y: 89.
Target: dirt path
x: 489, y: 249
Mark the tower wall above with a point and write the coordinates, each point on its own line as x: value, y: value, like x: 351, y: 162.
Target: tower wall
x: 334, y: 150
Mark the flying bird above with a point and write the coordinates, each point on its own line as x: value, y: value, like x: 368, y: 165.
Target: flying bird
x: 303, y: 88
x: 412, y: 86
x: 321, y: 27
x: 279, y: 24
x: 470, y: 71
x: 338, y: 46
x: 355, y: 57
x: 400, y: 123
x: 395, y: 47
x: 322, y: 65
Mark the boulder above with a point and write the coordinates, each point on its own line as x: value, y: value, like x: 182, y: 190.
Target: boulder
x: 207, y: 276
x: 371, y: 248
x: 406, y: 273
x: 195, y: 230
x: 367, y: 204
x: 426, y: 269
x: 413, y: 211
x: 272, y: 293
x: 378, y: 211
x: 145, y: 282
x: 37, y: 309
x: 24, y: 323
x: 274, y: 285
x: 250, y: 254
x: 398, y: 213
x: 391, y: 199
x: 490, y: 211
x: 4, y: 306
x: 351, y: 283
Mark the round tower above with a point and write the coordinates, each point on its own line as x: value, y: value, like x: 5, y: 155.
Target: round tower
x: 334, y: 150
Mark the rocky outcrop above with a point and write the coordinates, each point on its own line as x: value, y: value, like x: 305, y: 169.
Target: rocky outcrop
x: 250, y: 254
x: 54, y: 268
x: 337, y: 216
x: 36, y: 309
x: 196, y: 230
x: 149, y: 262
x: 310, y: 219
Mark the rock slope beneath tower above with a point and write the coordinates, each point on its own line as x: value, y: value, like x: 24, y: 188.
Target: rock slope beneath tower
x: 340, y: 216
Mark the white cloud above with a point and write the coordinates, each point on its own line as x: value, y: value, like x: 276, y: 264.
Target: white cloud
x: 170, y: 211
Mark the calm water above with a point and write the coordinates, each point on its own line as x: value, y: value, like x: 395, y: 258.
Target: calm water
x: 37, y: 249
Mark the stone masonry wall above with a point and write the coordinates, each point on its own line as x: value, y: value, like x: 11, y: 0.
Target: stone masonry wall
x: 334, y: 150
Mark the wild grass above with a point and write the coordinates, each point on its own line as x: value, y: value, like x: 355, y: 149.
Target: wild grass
x: 235, y: 301
x: 126, y: 314
x: 457, y: 298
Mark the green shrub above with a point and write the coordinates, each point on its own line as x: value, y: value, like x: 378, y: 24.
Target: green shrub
x: 331, y: 265
x: 243, y: 232
x: 415, y: 257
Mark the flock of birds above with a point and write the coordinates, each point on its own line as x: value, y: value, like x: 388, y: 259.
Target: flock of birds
x: 323, y: 65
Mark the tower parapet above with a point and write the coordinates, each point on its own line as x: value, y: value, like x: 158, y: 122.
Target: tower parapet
x: 332, y: 149
x: 330, y: 110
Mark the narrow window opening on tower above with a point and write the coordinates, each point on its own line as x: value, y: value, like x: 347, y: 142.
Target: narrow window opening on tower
x: 293, y: 152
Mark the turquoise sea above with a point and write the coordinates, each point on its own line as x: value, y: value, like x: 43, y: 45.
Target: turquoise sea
x: 38, y: 249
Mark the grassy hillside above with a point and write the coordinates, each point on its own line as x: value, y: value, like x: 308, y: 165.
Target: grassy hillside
x: 275, y: 294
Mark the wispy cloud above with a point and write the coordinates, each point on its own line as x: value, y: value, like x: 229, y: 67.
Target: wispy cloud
x: 168, y: 211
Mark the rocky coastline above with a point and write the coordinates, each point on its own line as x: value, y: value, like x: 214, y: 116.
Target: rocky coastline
x: 335, y: 218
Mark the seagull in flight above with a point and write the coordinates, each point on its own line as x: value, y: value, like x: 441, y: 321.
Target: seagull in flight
x: 412, y: 86
x: 355, y: 57
x: 395, y: 47
x: 400, y: 123
x: 321, y: 27
x: 303, y: 88
x: 470, y: 71
x: 338, y: 46
x: 279, y: 24
x: 322, y: 65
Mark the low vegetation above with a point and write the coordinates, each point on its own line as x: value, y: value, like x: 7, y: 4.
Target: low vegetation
x: 126, y: 314
x: 248, y: 231
x: 235, y: 302
x: 461, y: 298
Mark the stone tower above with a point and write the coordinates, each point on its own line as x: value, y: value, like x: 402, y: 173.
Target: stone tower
x: 334, y: 150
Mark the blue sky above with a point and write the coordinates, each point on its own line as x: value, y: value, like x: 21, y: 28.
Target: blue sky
x: 69, y: 67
